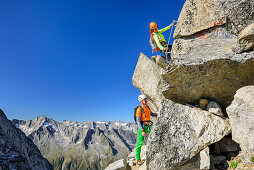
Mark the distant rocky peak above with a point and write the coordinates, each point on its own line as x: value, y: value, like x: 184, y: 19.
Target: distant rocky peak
x: 16, y: 150
x: 96, y: 124
x: 42, y: 119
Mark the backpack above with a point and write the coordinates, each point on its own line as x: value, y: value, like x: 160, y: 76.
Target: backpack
x: 153, y: 44
x: 135, y: 110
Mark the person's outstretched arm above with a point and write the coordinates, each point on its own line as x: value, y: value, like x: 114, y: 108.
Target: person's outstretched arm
x: 165, y: 29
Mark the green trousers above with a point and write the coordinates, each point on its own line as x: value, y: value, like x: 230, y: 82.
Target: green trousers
x: 141, y: 140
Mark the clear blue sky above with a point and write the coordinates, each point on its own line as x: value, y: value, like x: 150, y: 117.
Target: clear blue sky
x: 74, y: 60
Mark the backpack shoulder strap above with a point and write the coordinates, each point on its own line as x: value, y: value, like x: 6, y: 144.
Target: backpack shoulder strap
x: 153, y: 37
x: 154, y: 33
x: 142, y: 110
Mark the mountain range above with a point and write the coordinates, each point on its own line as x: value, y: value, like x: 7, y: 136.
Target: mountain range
x: 74, y: 145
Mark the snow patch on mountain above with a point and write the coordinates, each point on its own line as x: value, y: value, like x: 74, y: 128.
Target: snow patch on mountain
x: 25, y: 129
x: 100, y: 122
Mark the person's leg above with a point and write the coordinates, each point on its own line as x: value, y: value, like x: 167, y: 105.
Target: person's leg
x: 166, y: 52
x: 167, y: 55
x: 164, y: 55
x: 169, y: 47
x: 139, y: 144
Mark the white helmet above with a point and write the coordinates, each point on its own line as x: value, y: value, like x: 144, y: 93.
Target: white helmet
x: 141, y: 97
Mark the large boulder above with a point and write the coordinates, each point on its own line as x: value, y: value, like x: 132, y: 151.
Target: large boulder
x: 217, y: 80
x: 188, y: 80
x: 180, y: 133
x: 117, y: 165
x: 241, y: 116
x: 200, y: 161
x: 199, y: 15
x: 200, y: 51
x: 214, y: 108
x: 147, y: 77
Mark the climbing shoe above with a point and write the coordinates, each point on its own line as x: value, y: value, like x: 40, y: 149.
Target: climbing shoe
x: 139, y: 162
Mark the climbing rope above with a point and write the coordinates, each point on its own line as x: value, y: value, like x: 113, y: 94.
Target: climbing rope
x: 171, y: 30
x: 168, y: 53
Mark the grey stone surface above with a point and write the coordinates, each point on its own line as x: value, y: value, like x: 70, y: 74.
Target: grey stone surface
x: 214, y: 108
x: 193, y: 164
x: 245, y: 39
x: 17, y: 151
x: 247, y: 33
x: 199, y: 15
x: 215, y: 76
x: 200, y: 161
x: 131, y: 160
x: 205, y: 158
x: 160, y: 61
x: 217, y: 79
x: 147, y: 78
x: 117, y: 165
x: 180, y: 133
x: 241, y: 116
x: 199, y: 51
x: 239, y: 14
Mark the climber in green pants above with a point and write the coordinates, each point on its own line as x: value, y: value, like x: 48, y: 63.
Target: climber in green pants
x: 141, y: 140
x: 142, y: 118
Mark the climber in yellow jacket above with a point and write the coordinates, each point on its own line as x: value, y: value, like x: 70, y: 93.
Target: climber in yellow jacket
x: 158, y: 41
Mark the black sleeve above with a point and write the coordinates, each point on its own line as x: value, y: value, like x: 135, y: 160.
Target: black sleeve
x: 154, y: 114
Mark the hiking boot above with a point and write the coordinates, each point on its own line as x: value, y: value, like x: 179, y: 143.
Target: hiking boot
x: 168, y: 57
x: 139, y: 162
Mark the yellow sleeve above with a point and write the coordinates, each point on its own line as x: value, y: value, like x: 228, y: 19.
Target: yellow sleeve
x: 164, y: 29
